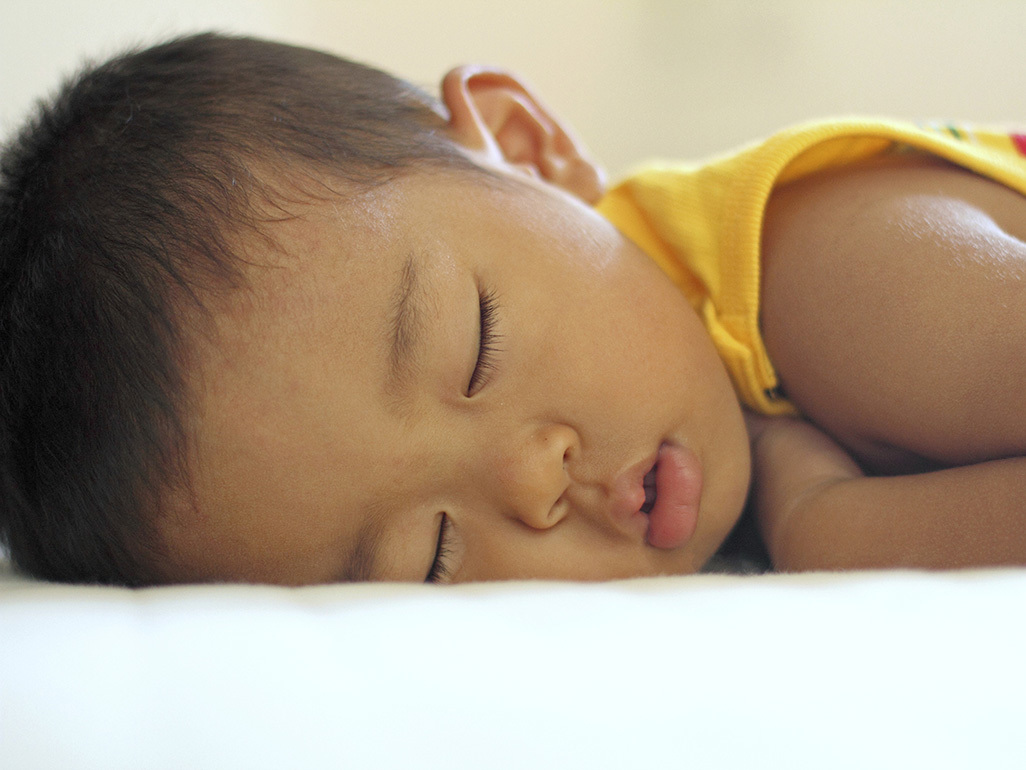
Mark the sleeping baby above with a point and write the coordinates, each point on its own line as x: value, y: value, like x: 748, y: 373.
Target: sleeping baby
x: 269, y: 315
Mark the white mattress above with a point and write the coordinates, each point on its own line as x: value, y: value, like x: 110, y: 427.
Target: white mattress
x: 901, y: 670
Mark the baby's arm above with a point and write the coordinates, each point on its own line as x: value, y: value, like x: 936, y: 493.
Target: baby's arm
x: 818, y: 511
x: 892, y: 310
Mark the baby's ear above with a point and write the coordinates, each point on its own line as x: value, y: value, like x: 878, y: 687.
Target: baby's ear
x: 492, y: 113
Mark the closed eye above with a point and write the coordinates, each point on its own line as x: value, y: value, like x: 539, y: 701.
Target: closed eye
x: 441, y: 567
x: 487, y: 342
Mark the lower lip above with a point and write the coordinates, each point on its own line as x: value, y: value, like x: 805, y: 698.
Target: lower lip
x: 674, y: 517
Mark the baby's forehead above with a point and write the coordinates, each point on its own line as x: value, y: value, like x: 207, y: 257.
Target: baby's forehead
x: 293, y: 253
x: 333, y: 247
x: 306, y: 276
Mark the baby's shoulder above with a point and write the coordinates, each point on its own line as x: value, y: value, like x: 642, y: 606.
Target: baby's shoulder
x: 892, y: 297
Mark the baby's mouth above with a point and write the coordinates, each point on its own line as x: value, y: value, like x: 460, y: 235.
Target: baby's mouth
x: 673, y: 492
x: 649, y: 483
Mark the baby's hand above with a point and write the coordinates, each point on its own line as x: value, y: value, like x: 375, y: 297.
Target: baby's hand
x: 791, y: 460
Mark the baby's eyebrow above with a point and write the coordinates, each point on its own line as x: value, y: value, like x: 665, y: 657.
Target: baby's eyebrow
x: 405, y: 325
x: 360, y: 561
x: 359, y: 566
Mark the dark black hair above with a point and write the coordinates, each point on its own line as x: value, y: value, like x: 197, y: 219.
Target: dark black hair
x: 119, y: 203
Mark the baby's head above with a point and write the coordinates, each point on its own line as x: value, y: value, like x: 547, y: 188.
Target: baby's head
x: 269, y: 315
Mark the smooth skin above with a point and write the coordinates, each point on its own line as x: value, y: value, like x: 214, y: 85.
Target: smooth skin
x: 892, y: 309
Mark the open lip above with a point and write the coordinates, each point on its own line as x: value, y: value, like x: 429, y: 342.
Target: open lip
x: 658, y: 498
x: 634, y: 492
x: 675, y: 495
x: 648, y: 483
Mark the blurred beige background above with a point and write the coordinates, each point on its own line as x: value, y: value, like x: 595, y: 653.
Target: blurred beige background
x: 639, y: 79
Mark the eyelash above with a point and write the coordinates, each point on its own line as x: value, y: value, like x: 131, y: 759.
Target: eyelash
x: 486, y: 350
x: 487, y: 346
x: 440, y: 566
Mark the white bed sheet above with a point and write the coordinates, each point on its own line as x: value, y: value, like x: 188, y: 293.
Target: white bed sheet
x: 889, y: 669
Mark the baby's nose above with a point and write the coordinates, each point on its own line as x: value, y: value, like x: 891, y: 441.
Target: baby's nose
x: 532, y: 475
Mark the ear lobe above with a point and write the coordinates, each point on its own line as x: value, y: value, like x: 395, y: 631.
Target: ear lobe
x: 493, y: 113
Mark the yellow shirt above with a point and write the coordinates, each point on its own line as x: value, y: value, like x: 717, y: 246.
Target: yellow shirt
x: 702, y: 223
